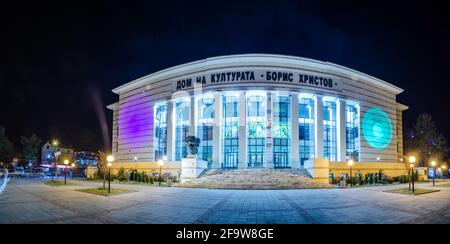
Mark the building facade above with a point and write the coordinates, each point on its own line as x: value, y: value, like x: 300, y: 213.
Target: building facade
x: 259, y: 110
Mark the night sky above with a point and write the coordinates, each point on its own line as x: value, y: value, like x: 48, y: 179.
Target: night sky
x: 60, y: 60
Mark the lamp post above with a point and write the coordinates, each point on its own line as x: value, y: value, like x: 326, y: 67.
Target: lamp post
x: 160, y: 164
x: 350, y: 164
x: 433, y: 164
x: 443, y: 167
x: 66, y: 162
x: 412, y: 160
x: 110, y: 159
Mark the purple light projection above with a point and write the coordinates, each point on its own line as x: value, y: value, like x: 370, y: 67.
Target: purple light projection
x: 136, y: 123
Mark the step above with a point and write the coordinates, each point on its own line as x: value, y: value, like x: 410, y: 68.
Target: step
x: 255, y: 179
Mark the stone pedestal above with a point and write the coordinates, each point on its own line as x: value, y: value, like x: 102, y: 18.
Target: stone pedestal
x: 191, y: 168
x: 318, y: 168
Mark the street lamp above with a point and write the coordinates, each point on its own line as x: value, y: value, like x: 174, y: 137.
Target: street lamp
x: 66, y: 162
x: 160, y: 164
x: 110, y: 159
x: 433, y: 164
x: 443, y: 167
x: 412, y: 160
x: 412, y: 176
x: 350, y: 164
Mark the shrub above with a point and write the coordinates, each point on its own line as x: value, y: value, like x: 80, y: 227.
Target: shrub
x: 121, y: 174
x: 145, y: 177
x: 133, y: 175
x: 403, y: 179
x: 387, y: 180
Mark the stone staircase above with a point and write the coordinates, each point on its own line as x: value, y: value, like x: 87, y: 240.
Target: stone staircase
x: 254, y: 179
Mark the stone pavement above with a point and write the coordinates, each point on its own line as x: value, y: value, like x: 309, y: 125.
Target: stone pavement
x: 30, y: 201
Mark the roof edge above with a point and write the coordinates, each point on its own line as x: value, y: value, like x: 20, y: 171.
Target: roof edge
x: 200, y: 63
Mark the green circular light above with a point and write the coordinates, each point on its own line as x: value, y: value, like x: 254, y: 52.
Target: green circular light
x: 377, y: 128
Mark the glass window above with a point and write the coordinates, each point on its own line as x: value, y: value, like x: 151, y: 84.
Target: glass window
x: 256, y: 129
x: 306, y: 128
x: 281, y: 131
x: 352, y: 131
x: 182, y: 108
x: 329, y: 130
x: 205, y: 122
x: 160, y: 131
x: 230, y: 129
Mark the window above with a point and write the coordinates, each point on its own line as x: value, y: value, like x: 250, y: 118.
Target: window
x: 306, y: 127
x: 205, y: 122
x: 182, y: 109
x: 230, y: 129
x: 329, y: 130
x: 281, y: 131
x: 352, y: 131
x: 256, y: 129
x: 160, y: 131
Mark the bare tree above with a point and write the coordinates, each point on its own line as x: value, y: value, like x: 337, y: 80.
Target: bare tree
x: 102, y: 166
x: 427, y: 141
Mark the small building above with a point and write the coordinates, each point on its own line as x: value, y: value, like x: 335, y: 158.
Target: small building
x: 48, y: 153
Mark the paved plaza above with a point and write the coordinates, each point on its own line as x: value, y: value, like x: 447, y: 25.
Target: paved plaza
x: 31, y: 201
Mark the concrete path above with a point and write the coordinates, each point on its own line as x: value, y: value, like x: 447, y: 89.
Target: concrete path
x: 31, y: 201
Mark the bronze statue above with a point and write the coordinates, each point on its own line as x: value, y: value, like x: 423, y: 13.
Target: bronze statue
x: 192, y: 144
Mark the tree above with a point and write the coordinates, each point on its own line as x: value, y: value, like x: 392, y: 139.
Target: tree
x: 427, y: 141
x: 102, y: 166
x: 30, y: 149
x: 6, y: 148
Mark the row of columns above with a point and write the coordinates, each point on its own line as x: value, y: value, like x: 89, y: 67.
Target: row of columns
x: 242, y: 133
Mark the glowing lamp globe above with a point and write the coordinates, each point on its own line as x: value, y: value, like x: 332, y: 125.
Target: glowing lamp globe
x: 377, y: 128
x: 412, y: 159
x: 433, y: 163
x: 110, y: 158
x: 350, y: 163
x: 66, y: 162
x: 160, y: 162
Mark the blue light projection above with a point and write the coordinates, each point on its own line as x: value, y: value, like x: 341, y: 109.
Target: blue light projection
x: 377, y: 128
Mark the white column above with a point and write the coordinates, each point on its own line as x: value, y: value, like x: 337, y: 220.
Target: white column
x: 318, y: 121
x: 170, y: 134
x: 269, y: 139
x: 242, y: 131
x: 192, y: 117
x: 295, y: 159
x: 341, y: 138
x: 217, y: 140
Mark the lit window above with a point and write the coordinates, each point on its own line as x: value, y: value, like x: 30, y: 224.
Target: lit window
x: 352, y: 131
x: 182, y: 108
x: 230, y: 129
x: 256, y: 129
x: 281, y: 131
x: 306, y: 127
x: 160, y: 131
x: 205, y: 122
x: 329, y: 130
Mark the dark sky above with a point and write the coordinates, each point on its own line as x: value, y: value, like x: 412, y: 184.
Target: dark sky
x: 55, y: 56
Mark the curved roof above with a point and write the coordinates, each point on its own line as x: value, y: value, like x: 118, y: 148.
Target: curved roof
x: 271, y: 60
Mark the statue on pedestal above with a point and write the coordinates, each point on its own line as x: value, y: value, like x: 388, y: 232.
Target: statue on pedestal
x: 192, y: 144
